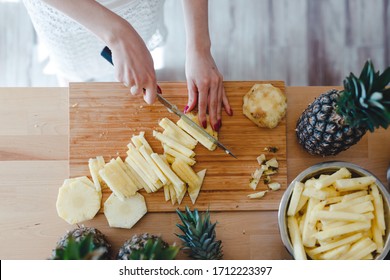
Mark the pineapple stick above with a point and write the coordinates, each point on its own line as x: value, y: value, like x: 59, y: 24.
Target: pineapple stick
x: 186, y: 173
x: 177, y: 183
x: 134, y: 154
x: 129, y: 172
x: 149, y: 187
x: 166, y: 193
x: 173, y: 144
x: 116, y: 180
x: 144, y: 142
x: 169, y: 125
x: 94, y: 168
x: 172, y: 134
x: 172, y: 193
x: 201, y: 139
x: 176, y: 154
x: 153, y: 165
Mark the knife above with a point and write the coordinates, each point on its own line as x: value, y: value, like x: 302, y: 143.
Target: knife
x: 193, y: 124
x: 106, y: 53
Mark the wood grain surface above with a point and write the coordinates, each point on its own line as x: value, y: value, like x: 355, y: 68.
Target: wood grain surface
x: 104, y: 116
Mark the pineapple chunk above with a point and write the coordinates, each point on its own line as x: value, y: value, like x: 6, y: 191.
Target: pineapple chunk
x: 77, y: 201
x: 274, y: 186
x: 124, y: 213
x: 129, y: 172
x: 256, y: 177
x: 194, y: 192
x: 257, y: 195
x: 117, y: 180
x: 261, y: 159
x: 273, y: 163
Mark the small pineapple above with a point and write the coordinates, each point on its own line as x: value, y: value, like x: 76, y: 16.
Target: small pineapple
x: 147, y: 247
x: 336, y: 120
x: 82, y: 243
x: 199, y: 236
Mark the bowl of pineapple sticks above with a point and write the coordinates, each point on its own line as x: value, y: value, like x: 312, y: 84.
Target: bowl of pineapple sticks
x: 335, y: 210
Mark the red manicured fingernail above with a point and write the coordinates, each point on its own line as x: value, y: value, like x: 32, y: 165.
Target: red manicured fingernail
x: 204, y: 124
x: 185, y: 109
x: 218, y: 125
x: 231, y: 112
x: 159, y: 91
x: 144, y: 90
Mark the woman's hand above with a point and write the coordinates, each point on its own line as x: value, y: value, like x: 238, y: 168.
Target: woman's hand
x: 204, y: 81
x: 205, y: 88
x: 134, y: 64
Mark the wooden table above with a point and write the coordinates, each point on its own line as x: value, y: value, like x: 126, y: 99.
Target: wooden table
x: 34, y: 161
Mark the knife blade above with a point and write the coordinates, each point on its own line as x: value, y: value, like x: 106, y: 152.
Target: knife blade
x: 194, y: 125
x: 106, y: 54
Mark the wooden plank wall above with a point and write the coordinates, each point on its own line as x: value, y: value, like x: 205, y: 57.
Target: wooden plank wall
x: 303, y: 42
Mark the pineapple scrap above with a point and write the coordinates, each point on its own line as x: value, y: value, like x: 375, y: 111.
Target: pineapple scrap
x: 267, y: 168
x: 257, y: 195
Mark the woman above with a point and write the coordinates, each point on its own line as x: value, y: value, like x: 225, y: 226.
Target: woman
x: 124, y: 26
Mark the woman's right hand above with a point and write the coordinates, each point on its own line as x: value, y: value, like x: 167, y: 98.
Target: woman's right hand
x: 133, y: 63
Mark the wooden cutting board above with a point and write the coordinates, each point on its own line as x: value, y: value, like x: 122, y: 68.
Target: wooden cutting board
x: 104, y: 116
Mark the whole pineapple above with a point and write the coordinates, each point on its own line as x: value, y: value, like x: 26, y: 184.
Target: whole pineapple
x: 82, y: 243
x: 199, y: 236
x: 336, y: 120
x: 147, y: 247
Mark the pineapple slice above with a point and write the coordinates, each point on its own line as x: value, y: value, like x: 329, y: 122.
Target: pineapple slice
x: 171, y: 129
x: 124, y: 213
x: 173, y: 144
x: 117, y: 180
x: 77, y: 201
x: 256, y: 177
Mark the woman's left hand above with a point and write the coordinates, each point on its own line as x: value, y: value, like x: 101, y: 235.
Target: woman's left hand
x: 205, y: 88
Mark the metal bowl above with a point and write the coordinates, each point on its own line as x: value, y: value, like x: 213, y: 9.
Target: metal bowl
x: 328, y: 168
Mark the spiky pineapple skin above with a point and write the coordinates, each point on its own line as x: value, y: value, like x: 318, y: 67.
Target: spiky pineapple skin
x: 137, y: 242
x: 321, y: 131
x: 99, y: 240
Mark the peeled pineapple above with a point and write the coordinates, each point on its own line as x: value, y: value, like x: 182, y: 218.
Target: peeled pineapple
x: 78, y: 200
x: 124, y: 213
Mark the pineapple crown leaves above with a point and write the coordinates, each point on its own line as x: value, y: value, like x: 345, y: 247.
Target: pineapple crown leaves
x: 365, y: 101
x: 199, y: 236
x: 155, y: 250
x: 79, y: 250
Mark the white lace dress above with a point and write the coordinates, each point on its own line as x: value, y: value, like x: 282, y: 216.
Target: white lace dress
x: 75, y: 52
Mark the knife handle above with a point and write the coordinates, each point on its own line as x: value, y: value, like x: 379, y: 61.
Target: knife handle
x: 106, y: 53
